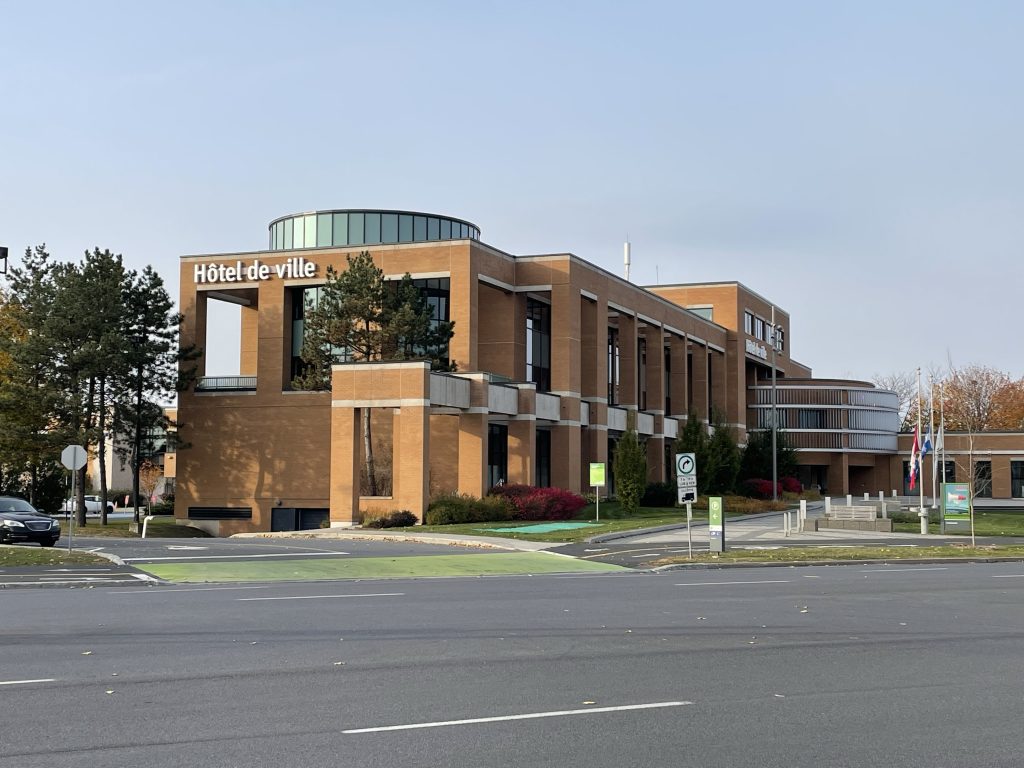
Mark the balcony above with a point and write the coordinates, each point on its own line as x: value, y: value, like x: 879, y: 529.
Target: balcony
x: 226, y: 384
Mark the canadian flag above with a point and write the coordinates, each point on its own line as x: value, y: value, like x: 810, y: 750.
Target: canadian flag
x: 915, y: 460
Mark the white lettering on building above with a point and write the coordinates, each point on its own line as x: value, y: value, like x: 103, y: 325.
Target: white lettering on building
x: 757, y: 349
x: 240, y: 272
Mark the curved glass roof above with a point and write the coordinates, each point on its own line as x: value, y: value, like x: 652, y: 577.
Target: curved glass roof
x: 322, y: 229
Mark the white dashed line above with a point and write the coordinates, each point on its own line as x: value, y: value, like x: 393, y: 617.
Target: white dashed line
x: 529, y: 716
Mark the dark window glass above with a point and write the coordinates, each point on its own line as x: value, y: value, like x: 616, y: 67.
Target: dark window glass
x: 220, y: 513
x: 613, y: 366
x: 389, y: 228
x: 404, y: 229
x: 464, y: 231
x: 497, y: 455
x: 538, y: 344
x: 340, y: 229
x: 446, y: 229
x: 437, y: 292
x: 419, y: 228
x: 355, y: 229
x: 1016, y: 479
x: 543, y: 454
x: 372, y: 233
x: 324, y: 229
x: 810, y: 419
x: 433, y: 229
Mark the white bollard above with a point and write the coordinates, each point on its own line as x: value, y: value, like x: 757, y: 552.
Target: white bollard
x: 849, y: 499
x: 785, y: 523
x: 881, y: 495
x: 828, y: 506
x: 894, y: 494
x: 803, y: 515
x: 867, y: 496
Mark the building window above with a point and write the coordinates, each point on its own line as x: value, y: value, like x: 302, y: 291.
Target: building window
x: 983, y: 479
x: 641, y: 373
x: 780, y: 336
x: 543, y: 454
x: 810, y: 419
x: 613, y: 366
x: 705, y: 312
x: 748, y: 323
x: 438, y: 293
x: 497, y: 455
x: 538, y: 344
x: 759, y: 328
x: 1016, y: 479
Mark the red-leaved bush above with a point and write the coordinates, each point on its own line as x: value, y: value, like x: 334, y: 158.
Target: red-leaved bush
x: 529, y: 503
x: 759, y: 489
x: 791, y: 485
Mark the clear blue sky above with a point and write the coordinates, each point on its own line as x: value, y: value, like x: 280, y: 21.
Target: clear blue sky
x: 859, y: 163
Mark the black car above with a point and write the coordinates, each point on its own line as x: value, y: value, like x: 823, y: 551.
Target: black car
x: 19, y: 521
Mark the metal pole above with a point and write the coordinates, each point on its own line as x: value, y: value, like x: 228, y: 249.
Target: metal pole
x: 775, y: 469
x: 689, y: 525
x: 922, y: 512
x: 71, y: 517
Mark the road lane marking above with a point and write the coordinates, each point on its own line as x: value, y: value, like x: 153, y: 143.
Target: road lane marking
x: 170, y: 591
x: 649, y: 554
x: 725, y: 583
x: 26, y: 682
x: 528, y: 716
x: 1010, y: 576
x: 230, y: 557
x: 896, y: 570
x: 319, y: 597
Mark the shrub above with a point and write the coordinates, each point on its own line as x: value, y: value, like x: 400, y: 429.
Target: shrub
x: 454, y: 508
x: 630, y: 466
x: 659, y: 495
x: 397, y: 519
x: 791, y: 485
x: 529, y: 503
x: 759, y: 489
x: 162, y: 508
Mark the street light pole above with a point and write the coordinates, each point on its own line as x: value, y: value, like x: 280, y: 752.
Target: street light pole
x: 775, y: 414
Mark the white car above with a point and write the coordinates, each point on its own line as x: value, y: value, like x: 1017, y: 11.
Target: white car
x: 93, y: 505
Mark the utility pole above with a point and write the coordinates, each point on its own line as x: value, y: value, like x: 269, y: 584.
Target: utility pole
x: 775, y: 413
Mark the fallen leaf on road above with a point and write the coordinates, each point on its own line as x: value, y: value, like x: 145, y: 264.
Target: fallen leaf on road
x: 590, y: 702
x: 87, y: 653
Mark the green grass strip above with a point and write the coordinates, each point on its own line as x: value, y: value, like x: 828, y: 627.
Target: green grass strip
x: 14, y: 556
x: 419, y: 566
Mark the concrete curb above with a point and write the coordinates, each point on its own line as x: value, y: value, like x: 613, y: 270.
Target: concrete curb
x: 480, y: 542
x: 601, y: 538
x: 798, y: 563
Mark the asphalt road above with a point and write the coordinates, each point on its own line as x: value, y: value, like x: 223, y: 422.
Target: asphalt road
x: 841, y: 666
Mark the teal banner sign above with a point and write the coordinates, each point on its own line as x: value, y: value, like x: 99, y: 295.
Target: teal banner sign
x: 956, y: 501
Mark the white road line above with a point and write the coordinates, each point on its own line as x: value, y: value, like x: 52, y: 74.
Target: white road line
x: 897, y: 570
x: 26, y: 682
x: 1010, y: 576
x: 170, y: 591
x: 319, y: 597
x: 528, y: 716
x: 649, y: 554
x: 724, y: 583
x: 230, y: 557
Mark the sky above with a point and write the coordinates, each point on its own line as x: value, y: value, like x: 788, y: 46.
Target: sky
x: 860, y: 164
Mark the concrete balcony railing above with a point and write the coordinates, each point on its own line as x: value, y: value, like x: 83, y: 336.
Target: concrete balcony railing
x: 549, y: 407
x: 617, y: 418
x: 644, y: 423
x: 502, y: 399
x: 671, y: 428
x: 449, y: 391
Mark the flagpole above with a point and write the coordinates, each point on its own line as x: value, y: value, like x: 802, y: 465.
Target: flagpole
x: 922, y: 512
x: 931, y: 433
x: 941, y: 445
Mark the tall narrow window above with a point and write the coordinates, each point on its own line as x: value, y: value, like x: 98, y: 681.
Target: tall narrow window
x: 543, y: 458
x: 497, y: 455
x: 613, y: 366
x: 538, y: 344
x: 438, y: 292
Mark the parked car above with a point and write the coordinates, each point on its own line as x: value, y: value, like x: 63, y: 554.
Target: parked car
x: 93, y: 505
x: 19, y: 521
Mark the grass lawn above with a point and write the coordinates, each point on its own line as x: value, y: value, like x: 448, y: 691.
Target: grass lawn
x: 805, y: 554
x: 985, y: 524
x: 613, y: 520
x: 29, y: 554
x: 161, y: 527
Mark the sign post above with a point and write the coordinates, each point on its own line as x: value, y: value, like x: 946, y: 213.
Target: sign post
x: 716, y: 524
x: 597, y: 482
x: 686, y: 491
x: 73, y: 457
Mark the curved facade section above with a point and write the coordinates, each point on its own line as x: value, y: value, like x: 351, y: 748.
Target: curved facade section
x: 830, y: 415
x: 354, y: 227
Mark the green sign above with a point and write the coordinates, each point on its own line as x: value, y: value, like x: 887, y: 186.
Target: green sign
x: 715, y: 513
x: 597, y: 474
x: 956, y: 501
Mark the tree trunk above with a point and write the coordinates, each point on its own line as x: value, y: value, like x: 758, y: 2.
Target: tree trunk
x: 371, y: 472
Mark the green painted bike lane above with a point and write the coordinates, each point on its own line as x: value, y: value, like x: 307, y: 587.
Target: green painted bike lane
x: 414, y: 566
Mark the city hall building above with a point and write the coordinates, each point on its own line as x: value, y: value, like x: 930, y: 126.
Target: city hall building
x: 554, y: 359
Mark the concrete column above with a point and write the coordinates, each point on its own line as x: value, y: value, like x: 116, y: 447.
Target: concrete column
x: 565, y: 457
x: 473, y: 453
x: 411, y: 474
x: 719, y: 390
x: 346, y: 440
x: 249, y: 343
x: 270, y: 332
x: 594, y: 348
x: 656, y: 455
x: 565, y: 338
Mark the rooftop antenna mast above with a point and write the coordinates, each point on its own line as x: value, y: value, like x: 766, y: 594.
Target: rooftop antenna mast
x: 625, y: 257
